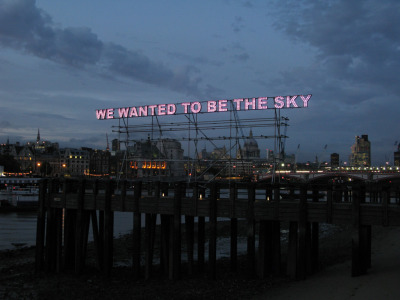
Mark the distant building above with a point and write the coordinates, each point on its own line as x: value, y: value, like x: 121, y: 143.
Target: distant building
x: 172, y: 150
x: 397, y: 157
x: 163, y: 158
x: 334, y: 160
x: 250, y: 149
x: 220, y: 153
x: 74, y: 162
x: 99, y: 162
x: 115, y: 145
x: 204, y: 154
x: 40, y: 146
x: 361, y: 152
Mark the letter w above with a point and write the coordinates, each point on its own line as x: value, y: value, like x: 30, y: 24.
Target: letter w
x: 101, y: 114
x: 123, y: 112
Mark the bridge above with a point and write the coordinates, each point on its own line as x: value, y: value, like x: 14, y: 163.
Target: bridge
x: 69, y: 206
x: 326, y: 176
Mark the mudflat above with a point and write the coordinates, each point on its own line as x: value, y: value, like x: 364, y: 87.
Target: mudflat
x: 333, y: 281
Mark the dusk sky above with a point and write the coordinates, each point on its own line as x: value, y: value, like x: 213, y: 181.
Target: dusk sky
x: 62, y: 60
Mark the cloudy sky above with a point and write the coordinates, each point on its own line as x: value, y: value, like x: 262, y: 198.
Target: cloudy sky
x: 62, y: 60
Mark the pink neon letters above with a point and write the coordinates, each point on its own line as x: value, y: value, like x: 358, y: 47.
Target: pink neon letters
x: 211, y: 106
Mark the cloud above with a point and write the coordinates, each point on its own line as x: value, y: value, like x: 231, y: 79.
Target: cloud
x: 242, y: 57
x: 248, y: 4
x: 237, y: 24
x: 25, y: 27
x: 200, y: 60
x: 4, y: 124
x: 357, y: 41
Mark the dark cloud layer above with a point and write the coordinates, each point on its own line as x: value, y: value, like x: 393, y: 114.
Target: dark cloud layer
x: 25, y: 27
x: 357, y: 41
x: 354, y: 73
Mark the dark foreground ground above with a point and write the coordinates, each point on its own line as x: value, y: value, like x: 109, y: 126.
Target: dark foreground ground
x: 19, y: 281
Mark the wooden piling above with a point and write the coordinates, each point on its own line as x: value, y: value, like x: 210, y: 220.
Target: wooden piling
x: 292, y: 258
x: 175, y: 235
x: 212, y: 254
x: 148, y: 246
x: 40, y: 227
x: 251, y: 245
x: 302, y: 252
x: 314, y: 255
x: 79, y: 229
x: 108, y: 230
x: 164, y: 247
x: 137, y: 220
x: 200, y: 242
x: 189, y: 229
x: 276, y: 235
x: 358, y: 266
x: 234, y: 227
x: 303, y: 217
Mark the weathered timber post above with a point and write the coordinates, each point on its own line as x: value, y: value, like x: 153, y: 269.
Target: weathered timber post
x: 302, y: 254
x: 201, y: 237
x: 40, y: 226
x: 164, y: 235
x: 251, y: 247
x: 108, y: 229
x: 385, y: 206
x: 291, y: 263
x: 315, y: 237
x: 263, y: 258
x: 69, y: 228
x: 154, y: 219
x: 124, y: 185
x: 164, y: 247
x: 150, y: 227
x: 96, y: 238
x: 345, y: 193
x: 337, y: 196
x: 137, y: 220
x: 51, y: 238
x: 55, y: 186
x: 148, y: 246
x: 152, y: 234
x: 189, y: 225
x: 212, y: 254
x: 329, y: 204
x: 175, y: 235
x: 269, y: 247
x: 234, y: 225
x: 359, y: 266
x: 79, y: 229
x: 59, y: 253
x: 366, y: 232
x: 276, y: 235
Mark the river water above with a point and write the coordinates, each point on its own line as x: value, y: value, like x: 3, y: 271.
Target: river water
x: 19, y: 228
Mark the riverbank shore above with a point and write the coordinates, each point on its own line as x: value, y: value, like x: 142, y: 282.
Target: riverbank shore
x: 18, y: 280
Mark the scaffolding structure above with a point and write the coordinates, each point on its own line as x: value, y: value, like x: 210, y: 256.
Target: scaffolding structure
x: 196, y: 130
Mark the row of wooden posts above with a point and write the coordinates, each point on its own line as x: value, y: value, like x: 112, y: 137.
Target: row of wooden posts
x: 68, y: 207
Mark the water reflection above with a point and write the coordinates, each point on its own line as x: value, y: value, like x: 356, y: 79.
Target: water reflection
x: 19, y: 228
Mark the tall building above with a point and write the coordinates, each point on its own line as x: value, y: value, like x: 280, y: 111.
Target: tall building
x: 115, y: 146
x: 397, y: 157
x: 361, y: 152
x: 334, y: 160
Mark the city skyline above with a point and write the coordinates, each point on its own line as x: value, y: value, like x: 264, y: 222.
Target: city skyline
x: 62, y: 61
x: 329, y: 158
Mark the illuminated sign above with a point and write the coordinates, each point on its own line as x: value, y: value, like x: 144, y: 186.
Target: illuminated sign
x: 212, y: 106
